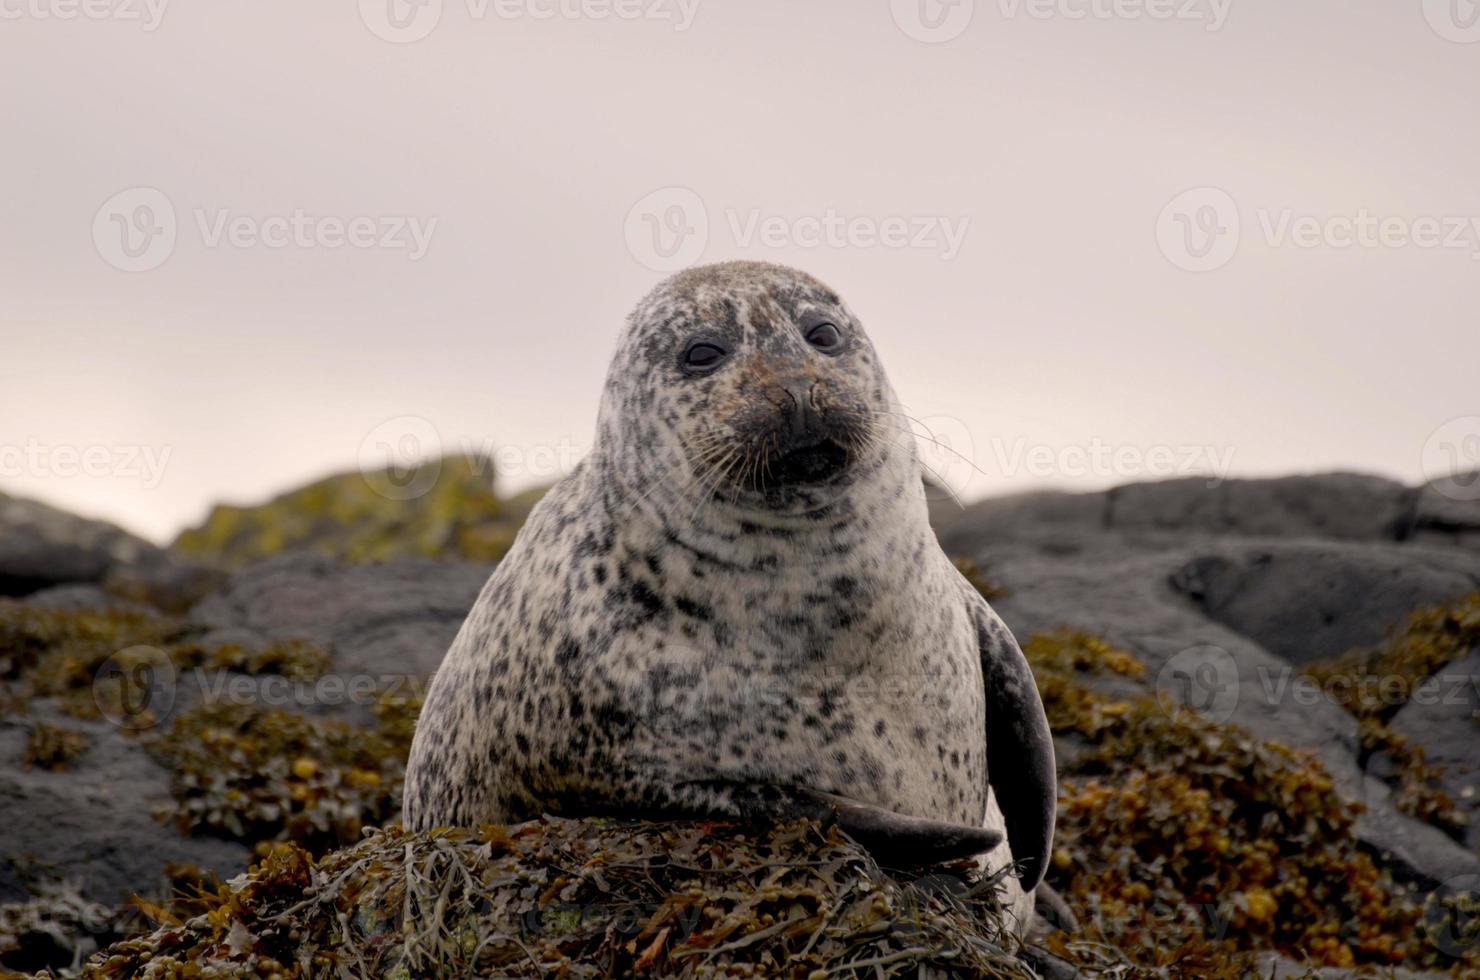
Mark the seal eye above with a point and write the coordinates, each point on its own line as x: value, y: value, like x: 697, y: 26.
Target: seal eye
x: 825, y: 337
x: 703, y: 357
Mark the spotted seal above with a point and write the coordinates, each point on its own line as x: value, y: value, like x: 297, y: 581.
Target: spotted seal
x: 735, y: 605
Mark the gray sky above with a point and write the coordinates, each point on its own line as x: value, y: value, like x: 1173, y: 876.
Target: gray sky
x: 1001, y: 199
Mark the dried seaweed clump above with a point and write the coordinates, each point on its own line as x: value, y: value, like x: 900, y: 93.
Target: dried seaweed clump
x: 57, y: 652
x: 257, y: 773
x: 586, y: 898
x: 55, y: 925
x: 1375, y: 684
x: 53, y: 747
x: 1181, y: 841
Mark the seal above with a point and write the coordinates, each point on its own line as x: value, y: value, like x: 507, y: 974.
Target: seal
x: 735, y: 606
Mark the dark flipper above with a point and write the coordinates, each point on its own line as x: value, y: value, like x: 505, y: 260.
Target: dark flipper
x: 1020, y: 760
x: 900, y: 841
x: 893, y: 839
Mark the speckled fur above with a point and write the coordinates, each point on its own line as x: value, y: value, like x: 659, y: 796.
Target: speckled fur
x: 661, y: 639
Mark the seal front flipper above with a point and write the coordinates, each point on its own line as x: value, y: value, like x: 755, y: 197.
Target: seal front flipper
x: 902, y: 841
x: 892, y: 838
x: 1020, y: 759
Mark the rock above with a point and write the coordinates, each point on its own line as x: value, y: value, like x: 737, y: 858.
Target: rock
x: 1306, y: 601
x: 1334, y: 505
x: 1443, y: 716
x: 391, y: 619
x: 41, y: 546
x: 1447, y: 511
x: 92, y: 824
x: 1339, y: 506
x: 1124, y: 593
x: 442, y: 508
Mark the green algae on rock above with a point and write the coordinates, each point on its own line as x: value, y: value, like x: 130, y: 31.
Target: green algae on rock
x: 351, y: 516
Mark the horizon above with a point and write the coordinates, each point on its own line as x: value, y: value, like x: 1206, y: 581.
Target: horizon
x: 1266, y: 268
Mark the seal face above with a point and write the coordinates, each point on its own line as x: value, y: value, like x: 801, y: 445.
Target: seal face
x: 736, y: 603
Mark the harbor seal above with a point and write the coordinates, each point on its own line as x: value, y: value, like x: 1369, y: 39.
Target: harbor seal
x: 735, y: 605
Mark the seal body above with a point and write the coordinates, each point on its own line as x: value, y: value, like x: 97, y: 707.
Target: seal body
x: 736, y: 595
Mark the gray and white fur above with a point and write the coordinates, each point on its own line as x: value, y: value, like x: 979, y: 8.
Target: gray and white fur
x: 736, y: 606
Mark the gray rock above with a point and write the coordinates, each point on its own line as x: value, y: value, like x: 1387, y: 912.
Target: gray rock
x: 1309, y: 600
x: 1124, y: 593
x: 1332, y: 505
x: 391, y: 619
x: 42, y: 546
x: 1443, y: 716
x: 92, y: 824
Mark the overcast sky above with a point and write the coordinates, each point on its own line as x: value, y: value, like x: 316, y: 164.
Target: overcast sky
x: 244, y: 245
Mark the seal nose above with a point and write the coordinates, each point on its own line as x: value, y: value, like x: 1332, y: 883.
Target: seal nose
x: 801, y: 411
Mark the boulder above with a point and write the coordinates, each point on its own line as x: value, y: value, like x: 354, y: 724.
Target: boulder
x: 1309, y: 600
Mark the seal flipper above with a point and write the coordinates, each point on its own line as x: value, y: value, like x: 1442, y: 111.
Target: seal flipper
x: 1020, y: 759
x: 902, y: 841
x: 892, y: 838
